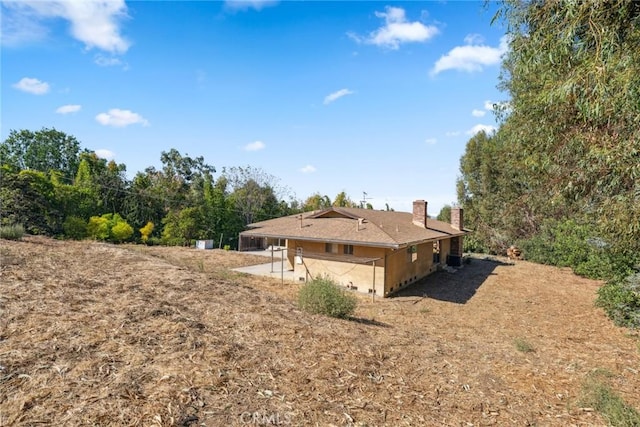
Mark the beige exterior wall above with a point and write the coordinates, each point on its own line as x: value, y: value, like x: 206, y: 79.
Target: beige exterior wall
x: 403, y: 268
x: 394, y: 270
x: 359, y: 277
x: 445, y: 249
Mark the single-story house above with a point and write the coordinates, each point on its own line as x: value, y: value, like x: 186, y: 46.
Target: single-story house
x: 366, y: 250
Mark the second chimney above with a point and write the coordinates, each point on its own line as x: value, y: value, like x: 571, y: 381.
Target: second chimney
x: 457, y: 220
x: 420, y: 213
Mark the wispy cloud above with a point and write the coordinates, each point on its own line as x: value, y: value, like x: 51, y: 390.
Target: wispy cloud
x: 453, y: 133
x: 337, y: 95
x: 471, y: 57
x: 255, y: 146
x: 478, y: 113
x: 31, y: 85
x: 242, y: 5
x: 121, y: 118
x: 396, y: 30
x: 109, y: 61
x: 308, y: 169
x: 430, y: 141
x: 95, y: 23
x: 67, y: 109
x: 488, y: 129
x: 105, y: 154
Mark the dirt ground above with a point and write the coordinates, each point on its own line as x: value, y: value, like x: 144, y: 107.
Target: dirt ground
x: 96, y: 334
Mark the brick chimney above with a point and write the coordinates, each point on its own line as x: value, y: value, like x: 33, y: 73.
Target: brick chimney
x: 457, y: 220
x: 420, y: 213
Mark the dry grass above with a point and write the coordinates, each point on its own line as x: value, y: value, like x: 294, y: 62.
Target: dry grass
x: 95, y: 334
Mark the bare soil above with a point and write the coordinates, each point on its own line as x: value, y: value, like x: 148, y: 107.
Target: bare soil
x: 97, y: 334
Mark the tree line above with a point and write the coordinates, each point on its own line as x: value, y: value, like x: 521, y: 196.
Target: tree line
x: 52, y: 186
x: 561, y: 175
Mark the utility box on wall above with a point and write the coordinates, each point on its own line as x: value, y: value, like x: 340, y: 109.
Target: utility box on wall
x: 204, y: 244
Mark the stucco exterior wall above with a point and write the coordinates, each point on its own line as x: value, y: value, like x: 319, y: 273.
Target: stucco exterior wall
x: 403, y: 269
x: 359, y: 277
x: 395, y: 269
x: 445, y: 249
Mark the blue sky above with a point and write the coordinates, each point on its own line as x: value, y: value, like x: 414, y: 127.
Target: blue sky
x: 375, y: 97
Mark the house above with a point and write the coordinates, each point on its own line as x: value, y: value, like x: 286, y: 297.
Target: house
x: 366, y: 250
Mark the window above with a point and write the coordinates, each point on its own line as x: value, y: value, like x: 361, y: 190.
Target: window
x: 348, y: 249
x: 412, y: 253
x: 331, y: 248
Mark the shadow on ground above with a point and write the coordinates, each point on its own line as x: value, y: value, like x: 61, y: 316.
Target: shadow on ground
x: 369, y: 322
x: 458, y: 287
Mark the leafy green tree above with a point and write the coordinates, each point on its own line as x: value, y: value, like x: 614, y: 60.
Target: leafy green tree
x: 44, y: 150
x: 445, y: 214
x: 562, y: 172
x: 183, y: 226
x: 343, y: 201
x: 106, y: 181
x: 316, y: 202
x: 27, y: 197
x: 255, y: 193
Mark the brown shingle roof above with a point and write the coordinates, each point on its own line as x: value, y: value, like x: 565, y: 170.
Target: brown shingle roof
x: 340, y: 225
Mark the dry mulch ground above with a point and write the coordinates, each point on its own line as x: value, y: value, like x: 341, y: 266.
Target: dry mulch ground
x: 96, y: 334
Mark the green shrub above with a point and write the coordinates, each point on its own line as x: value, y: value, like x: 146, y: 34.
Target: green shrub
x: 323, y: 296
x: 75, y: 228
x: 523, y: 345
x: 121, y: 231
x: 600, y: 396
x: 110, y: 227
x: 620, y: 299
x: 98, y: 228
x: 145, y: 232
x: 569, y: 243
x: 11, y: 232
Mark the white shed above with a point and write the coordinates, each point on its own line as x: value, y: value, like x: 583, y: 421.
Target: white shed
x: 204, y: 244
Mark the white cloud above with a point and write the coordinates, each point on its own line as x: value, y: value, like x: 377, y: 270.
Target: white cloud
x: 336, y: 95
x: 397, y: 30
x: 474, y: 39
x: 105, y: 154
x: 31, y: 85
x: 453, y: 133
x: 308, y: 169
x: 430, y: 141
x: 255, y: 146
x: 470, y: 57
x: 488, y: 129
x: 95, y: 23
x: 18, y: 26
x: 66, y: 109
x: 121, y: 118
x: 108, y: 61
x: 488, y: 105
x: 478, y: 113
x: 243, y: 5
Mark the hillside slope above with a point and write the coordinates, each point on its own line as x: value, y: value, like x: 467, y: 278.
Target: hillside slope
x: 121, y: 335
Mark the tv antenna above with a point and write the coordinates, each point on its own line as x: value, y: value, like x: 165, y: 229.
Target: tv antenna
x: 363, y: 202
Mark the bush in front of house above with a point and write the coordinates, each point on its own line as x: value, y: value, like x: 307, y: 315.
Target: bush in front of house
x: 11, y: 232
x: 323, y: 296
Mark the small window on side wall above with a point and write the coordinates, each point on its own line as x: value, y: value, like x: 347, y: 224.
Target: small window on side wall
x: 331, y: 248
x: 412, y: 253
x: 347, y: 249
